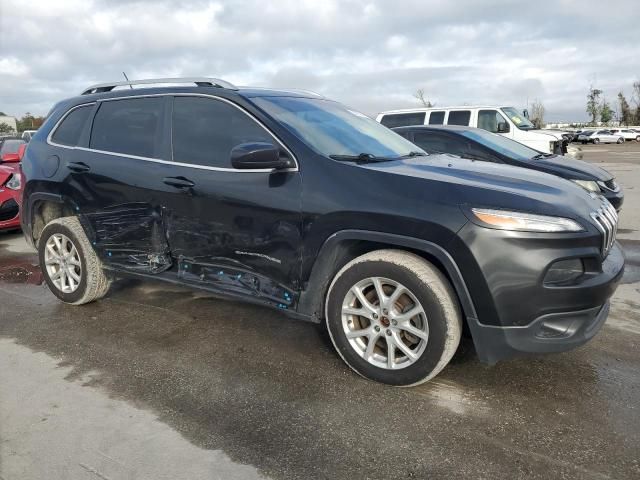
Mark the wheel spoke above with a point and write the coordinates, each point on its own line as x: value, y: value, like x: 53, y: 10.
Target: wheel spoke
x: 363, y: 300
x: 377, y: 284
x: 70, y: 280
x: 365, y: 332
x: 416, y: 332
x: 361, y: 312
x: 404, y: 349
x: 406, y: 316
x: 373, y: 339
x: 391, y: 351
x: 63, y: 279
x: 52, y: 261
x: 56, y: 275
x: 397, y: 293
x: 72, y: 274
x: 74, y: 261
x: 58, y: 243
x: 52, y: 250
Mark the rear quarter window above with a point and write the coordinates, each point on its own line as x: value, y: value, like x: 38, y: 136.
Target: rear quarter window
x: 69, y: 131
x: 436, y: 118
x: 403, y: 119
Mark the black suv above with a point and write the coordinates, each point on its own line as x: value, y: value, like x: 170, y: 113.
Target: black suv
x: 289, y: 200
x: 479, y: 144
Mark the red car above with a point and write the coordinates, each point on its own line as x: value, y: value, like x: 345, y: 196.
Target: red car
x: 11, y: 152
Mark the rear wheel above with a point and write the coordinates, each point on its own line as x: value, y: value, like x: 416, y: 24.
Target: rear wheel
x: 638, y: 138
x: 596, y: 141
x: 70, y: 266
x: 393, y: 317
x: 620, y: 140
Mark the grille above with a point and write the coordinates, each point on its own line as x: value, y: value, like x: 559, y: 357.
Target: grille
x: 611, y: 185
x: 606, y: 220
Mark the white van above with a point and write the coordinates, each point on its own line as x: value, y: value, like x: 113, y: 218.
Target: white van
x: 506, y: 121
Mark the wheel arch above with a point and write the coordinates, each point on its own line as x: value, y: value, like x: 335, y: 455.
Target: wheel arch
x: 345, y: 245
x: 42, y: 209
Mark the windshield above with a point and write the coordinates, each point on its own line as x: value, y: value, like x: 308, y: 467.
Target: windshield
x: 518, y: 120
x: 502, y: 144
x: 331, y: 129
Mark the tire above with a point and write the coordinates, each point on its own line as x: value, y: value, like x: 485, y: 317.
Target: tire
x: 638, y: 138
x: 596, y: 141
x: 435, y: 329
x: 66, y: 235
x: 620, y: 140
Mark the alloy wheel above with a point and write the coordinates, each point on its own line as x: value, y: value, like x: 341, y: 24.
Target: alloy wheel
x: 62, y: 262
x: 385, y: 323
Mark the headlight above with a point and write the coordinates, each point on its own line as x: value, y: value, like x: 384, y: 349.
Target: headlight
x: 14, y: 182
x: 552, y: 147
x: 525, y: 222
x: 588, y: 185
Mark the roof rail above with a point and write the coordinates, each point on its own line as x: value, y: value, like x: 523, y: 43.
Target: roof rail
x: 292, y: 90
x: 199, y: 81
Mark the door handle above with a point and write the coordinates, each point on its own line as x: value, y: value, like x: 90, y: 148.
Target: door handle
x: 78, y: 167
x: 178, y: 182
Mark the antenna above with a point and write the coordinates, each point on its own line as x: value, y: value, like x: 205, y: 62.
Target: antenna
x: 127, y: 79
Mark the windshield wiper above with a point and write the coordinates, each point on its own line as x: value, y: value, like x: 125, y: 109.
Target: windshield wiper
x: 361, y: 158
x: 415, y: 154
x: 542, y: 155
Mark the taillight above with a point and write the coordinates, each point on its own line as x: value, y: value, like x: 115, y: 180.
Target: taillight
x: 21, y: 151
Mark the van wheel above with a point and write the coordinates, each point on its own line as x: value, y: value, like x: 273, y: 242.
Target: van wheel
x: 393, y: 317
x: 70, y: 266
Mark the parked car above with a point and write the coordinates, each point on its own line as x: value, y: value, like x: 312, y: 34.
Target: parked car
x: 478, y: 144
x: 627, y: 134
x: 392, y: 249
x: 10, y: 185
x: 28, y: 134
x: 10, y: 144
x: 600, y: 136
x: 506, y: 121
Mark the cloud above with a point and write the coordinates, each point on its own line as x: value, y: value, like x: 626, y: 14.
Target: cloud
x: 369, y: 54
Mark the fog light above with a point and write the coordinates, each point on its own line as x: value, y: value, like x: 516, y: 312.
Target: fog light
x: 564, y: 271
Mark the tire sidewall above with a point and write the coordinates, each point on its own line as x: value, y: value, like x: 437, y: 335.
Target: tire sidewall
x: 48, y: 231
x: 434, y: 313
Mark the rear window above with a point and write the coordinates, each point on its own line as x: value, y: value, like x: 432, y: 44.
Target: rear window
x: 130, y: 126
x: 68, y: 132
x: 459, y: 117
x: 11, y: 146
x: 403, y: 119
x: 436, y: 118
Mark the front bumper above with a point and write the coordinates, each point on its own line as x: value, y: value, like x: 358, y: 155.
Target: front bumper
x: 516, y: 311
x: 9, y: 212
x: 615, y: 198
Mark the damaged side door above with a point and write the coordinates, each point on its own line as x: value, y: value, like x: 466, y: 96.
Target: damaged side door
x: 234, y: 230
x: 117, y: 193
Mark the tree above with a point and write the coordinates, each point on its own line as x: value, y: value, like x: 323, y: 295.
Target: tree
x: 593, y: 103
x: 6, y: 128
x: 636, y: 98
x: 420, y: 94
x: 537, y: 114
x: 606, y: 114
x: 626, y: 115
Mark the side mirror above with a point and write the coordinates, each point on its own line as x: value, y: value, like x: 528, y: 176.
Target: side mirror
x: 503, y: 127
x: 258, y: 155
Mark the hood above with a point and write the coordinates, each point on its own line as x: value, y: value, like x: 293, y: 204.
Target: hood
x: 495, y: 185
x: 567, y: 167
x: 6, y: 170
x: 554, y: 133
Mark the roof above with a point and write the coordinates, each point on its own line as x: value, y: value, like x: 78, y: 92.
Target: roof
x: 428, y: 109
x: 455, y: 128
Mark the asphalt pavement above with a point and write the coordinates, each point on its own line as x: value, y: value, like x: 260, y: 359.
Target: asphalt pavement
x: 157, y: 381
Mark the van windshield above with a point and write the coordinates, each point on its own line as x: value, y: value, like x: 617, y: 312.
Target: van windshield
x: 333, y: 130
x: 518, y: 119
x: 502, y: 144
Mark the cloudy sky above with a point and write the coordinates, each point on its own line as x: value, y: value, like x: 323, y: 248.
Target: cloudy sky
x: 371, y: 54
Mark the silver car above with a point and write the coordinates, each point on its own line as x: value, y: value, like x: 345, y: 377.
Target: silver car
x: 627, y: 134
x: 600, y: 136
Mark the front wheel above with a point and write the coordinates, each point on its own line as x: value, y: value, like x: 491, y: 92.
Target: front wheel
x: 620, y: 140
x: 70, y: 266
x: 393, y: 317
x: 638, y: 138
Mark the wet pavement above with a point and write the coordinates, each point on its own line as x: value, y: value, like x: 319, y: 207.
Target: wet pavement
x: 158, y: 381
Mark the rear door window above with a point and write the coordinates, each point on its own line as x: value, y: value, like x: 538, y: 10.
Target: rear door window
x: 436, y: 118
x: 205, y: 130
x: 403, y: 119
x: 69, y: 130
x: 129, y: 126
x: 439, y: 142
x: 459, y: 117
